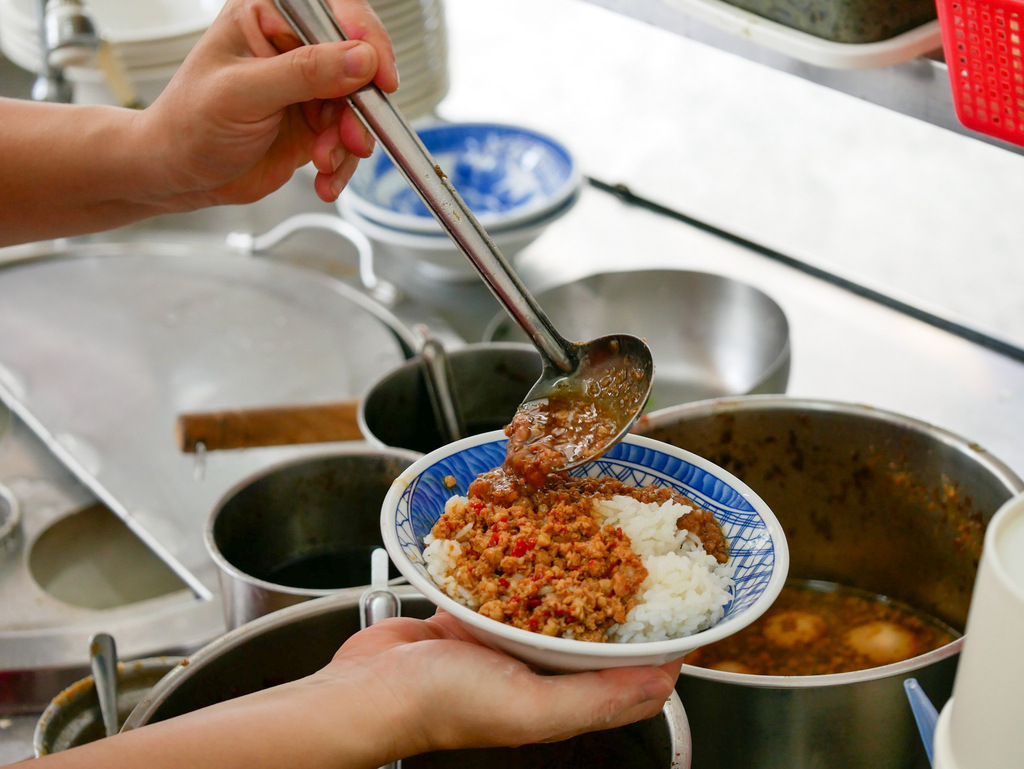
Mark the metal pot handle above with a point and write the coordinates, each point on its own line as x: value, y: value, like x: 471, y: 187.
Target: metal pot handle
x: 384, y: 292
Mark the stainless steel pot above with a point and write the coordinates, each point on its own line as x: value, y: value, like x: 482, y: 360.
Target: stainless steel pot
x: 264, y: 653
x: 491, y: 381
x: 73, y: 717
x: 710, y: 335
x: 868, y: 499
x: 301, y: 530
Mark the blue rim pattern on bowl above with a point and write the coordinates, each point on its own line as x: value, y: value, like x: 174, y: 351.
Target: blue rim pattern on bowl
x: 506, y: 175
x: 752, y: 552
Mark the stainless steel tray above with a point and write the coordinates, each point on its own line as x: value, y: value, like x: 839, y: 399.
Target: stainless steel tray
x: 44, y: 640
x: 102, y: 345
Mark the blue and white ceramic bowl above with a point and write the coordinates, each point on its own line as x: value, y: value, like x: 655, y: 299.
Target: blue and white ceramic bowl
x: 758, y: 549
x: 507, y: 175
x: 436, y: 255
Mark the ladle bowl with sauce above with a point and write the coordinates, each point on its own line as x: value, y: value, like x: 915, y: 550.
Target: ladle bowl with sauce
x: 568, y: 420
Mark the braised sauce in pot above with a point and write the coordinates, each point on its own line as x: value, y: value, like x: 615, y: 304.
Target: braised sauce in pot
x: 820, y: 628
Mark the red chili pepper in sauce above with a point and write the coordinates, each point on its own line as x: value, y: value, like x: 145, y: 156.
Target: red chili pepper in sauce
x: 519, y: 549
x: 503, y: 582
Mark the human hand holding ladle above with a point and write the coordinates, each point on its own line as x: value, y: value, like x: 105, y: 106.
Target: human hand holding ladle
x: 592, y: 392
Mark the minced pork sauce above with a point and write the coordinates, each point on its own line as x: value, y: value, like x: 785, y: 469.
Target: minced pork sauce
x: 539, y: 559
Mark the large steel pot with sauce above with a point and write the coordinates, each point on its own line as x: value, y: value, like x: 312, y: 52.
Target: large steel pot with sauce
x: 297, y: 641
x: 868, y: 499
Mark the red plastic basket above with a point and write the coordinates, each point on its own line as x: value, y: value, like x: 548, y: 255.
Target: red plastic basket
x: 983, y: 41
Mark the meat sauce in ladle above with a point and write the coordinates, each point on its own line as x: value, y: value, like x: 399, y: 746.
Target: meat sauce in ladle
x: 589, y: 394
x: 568, y: 420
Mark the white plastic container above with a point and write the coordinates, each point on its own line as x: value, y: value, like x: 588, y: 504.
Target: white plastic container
x: 982, y: 725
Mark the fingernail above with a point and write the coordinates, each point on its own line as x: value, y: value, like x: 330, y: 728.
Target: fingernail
x: 337, y: 155
x: 357, y: 61
x: 337, y: 184
x: 343, y: 173
x: 394, y: 71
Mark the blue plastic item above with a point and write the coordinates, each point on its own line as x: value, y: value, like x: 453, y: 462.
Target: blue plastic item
x: 924, y: 713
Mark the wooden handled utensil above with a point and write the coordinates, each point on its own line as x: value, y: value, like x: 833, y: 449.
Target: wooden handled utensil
x: 269, y: 426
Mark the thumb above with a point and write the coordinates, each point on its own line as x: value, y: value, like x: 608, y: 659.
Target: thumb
x: 324, y: 71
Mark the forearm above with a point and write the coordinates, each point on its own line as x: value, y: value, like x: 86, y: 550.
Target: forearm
x: 67, y: 170
x: 305, y: 724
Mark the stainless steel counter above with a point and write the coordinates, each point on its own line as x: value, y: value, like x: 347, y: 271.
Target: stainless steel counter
x: 850, y: 187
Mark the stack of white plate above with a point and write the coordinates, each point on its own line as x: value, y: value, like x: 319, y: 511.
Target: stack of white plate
x: 152, y: 37
x: 418, y: 33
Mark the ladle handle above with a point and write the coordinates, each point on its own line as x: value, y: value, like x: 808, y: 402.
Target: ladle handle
x: 440, y: 381
x: 314, y: 23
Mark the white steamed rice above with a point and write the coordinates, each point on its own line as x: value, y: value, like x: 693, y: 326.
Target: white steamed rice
x: 686, y: 589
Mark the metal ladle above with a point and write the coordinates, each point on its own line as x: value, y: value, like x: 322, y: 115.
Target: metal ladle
x: 572, y: 370
x: 103, y: 660
x: 440, y: 382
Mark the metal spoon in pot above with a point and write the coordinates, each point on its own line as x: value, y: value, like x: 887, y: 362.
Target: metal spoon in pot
x: 440, y: 381
x: 590, y: 393
x: 103, y: 660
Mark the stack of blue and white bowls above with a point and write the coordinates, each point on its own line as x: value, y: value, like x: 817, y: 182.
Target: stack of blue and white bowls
x: 515, y: 180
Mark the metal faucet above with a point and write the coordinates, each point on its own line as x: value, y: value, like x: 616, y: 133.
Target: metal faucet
x: 68, y: 38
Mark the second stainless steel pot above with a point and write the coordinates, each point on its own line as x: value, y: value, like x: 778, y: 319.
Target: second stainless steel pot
x: 299, y: 640
x: 302, y: 529
x: 490, y: 381
x: 868, y: 499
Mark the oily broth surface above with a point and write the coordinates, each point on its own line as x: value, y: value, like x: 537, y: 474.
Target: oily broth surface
x: 818, y: 628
